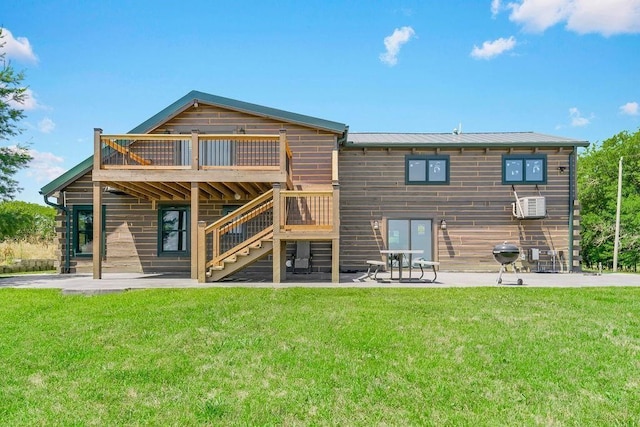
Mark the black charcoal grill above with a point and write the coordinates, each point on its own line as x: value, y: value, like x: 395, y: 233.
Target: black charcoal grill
x: 506, y: 254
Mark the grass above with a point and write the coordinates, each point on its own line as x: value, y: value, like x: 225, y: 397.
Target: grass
x: 474, y: 356
x: 11, y: 250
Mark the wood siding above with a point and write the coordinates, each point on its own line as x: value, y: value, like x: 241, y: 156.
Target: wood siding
x: 475, y: 204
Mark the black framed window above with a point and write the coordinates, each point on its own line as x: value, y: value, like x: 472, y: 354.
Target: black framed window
x: 421, y: 170
x: 83, y: 229
x: 524, y: 169
x: 173, y: 230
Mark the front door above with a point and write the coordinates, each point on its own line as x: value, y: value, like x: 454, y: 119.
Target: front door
x: 411, y: 234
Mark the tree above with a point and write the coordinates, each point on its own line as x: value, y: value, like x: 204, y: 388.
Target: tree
x: 26, y: 221
x: 597, y: 192
x: 12, y: 93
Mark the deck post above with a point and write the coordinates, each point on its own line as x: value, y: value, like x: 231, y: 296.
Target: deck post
x: 277, y: 243
x: 195, y: 208
x: 335, y: 242
x: 97, y: 148
x: 283, y: 151
x: 202, y: 252
x: 195, y: 150
x: 97, y: 230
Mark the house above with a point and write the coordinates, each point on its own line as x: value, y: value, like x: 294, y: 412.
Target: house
x: 212, y: 186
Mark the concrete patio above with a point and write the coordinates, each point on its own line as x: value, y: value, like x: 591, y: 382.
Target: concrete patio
x: 85, y: 284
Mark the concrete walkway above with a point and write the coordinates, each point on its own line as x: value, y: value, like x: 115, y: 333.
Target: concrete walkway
x: 81, y: 283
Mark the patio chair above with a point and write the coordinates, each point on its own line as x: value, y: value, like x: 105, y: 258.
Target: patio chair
x: 302, y: 257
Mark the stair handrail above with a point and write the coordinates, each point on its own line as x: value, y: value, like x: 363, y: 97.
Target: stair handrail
x: 251, y: 210
x: 242, y: 209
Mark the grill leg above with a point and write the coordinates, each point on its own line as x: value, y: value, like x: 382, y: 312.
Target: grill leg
x: 502, y: 270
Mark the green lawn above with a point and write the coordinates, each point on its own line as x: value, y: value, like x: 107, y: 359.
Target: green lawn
x: 474, y: 356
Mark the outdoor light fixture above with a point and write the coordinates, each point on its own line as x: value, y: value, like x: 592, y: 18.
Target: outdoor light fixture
x: 195, y: 104
x: 443, y: 225
x: 561, y: 169
x: 237, y: 196
x: 376, y: 225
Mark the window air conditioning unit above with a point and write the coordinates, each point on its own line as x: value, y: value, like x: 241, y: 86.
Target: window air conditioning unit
x: 530, y: 208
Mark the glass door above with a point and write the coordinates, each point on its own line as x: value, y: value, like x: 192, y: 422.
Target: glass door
x: 412, y: 234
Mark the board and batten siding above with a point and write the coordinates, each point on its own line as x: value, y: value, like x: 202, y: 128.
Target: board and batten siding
x: 132, y: 224
x: 476, y: 206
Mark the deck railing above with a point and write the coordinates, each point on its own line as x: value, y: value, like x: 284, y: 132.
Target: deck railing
x: 195, y: 151
x: 310, y: 210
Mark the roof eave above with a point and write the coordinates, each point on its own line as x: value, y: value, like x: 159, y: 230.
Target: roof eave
x: 67, y: 177
x: 349, y: 144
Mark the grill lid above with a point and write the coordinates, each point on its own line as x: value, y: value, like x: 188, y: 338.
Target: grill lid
x: 506, y: 253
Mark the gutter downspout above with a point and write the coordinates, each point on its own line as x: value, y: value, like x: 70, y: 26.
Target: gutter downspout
x: 572, y: 195
x: 67, y: 261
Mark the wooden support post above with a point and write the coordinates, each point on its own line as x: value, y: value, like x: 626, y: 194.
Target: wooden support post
x: 195, y: 150
x: 277, y: 260
x: 335, y: 260
x: 277, y: 211
x: 283, y: 151
x: 97, y: 148
x: 277, y: 243
x: 335, y: 242
x: 202, y: 252
x: 97, y: 230
x: 195, y: 208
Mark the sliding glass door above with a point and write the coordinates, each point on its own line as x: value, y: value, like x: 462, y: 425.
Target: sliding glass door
x: 412, y: 234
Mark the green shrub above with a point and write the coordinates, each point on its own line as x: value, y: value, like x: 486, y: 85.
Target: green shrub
x: 26, y: 221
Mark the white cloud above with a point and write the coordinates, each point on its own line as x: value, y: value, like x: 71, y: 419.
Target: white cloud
x: 17, y: 48
x: 630, y: 109
x: 495, y: 7
x: 394, y: 42
x: 46, y: 125
x: 494, y: 48
x: 577, y: 120
x: 581, y: 16
x: 44, y: 166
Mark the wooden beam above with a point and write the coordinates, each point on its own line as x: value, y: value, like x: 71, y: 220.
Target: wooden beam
x: 222, y: 189
x: 97, y: 230
x: 185, y: 175
x: 335, y: 260
x: 202, y: 252
x: 152, y: 194
x: 195, y: 217
x: 211, y: 192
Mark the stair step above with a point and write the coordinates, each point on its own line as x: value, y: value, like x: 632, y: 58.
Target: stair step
x: 256, y: 245
x: 230, y: 259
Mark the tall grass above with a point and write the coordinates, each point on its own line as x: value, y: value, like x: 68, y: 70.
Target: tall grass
x: 11, y: 250
x: 475, y: 356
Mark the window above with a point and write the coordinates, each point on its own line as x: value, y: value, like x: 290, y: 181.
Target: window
x: 524, y: 169
x: 83, y: 230
x: 173, y: 230
x: 427, y: 170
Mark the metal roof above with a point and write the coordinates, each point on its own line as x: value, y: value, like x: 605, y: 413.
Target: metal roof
x: 203, y: 98
x: 487, y: 139
x: 232, y: 104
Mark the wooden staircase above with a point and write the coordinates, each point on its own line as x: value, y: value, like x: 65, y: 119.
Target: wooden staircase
x: 247, y: 255
x: 238, y: 239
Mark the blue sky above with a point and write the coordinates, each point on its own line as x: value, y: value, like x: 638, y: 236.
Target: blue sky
x: 563, y: 67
